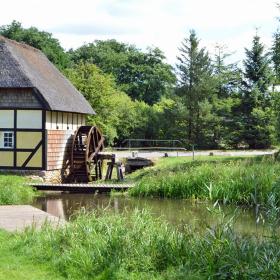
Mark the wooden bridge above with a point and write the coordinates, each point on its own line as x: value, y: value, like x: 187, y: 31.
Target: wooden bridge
x: 82, y: 188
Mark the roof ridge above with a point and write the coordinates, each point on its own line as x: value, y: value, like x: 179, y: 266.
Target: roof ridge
x: 18, y: 64
x: 21, y: 44
x: 21, y: 68
x: 32, y: 68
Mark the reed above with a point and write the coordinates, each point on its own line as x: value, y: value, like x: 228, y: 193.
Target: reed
x: 138, y: 246
x: 241, y: 181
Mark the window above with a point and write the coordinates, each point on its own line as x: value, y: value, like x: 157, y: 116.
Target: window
x: 8, y: 140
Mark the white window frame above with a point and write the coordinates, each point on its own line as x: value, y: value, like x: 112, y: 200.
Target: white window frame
x: 8, y: 139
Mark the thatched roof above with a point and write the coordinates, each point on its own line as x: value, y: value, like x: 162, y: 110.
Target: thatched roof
x: 22, y: 66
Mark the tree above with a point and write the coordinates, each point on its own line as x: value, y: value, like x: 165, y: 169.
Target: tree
x: 196, y: 87
x: 114, y: 109
x: 256, y: 97
x: 228, y: 78
x: 276, y: 56
x: 117, y: 115
x: 143, y: 76
x: 38, y: 39
x: 276, y: 114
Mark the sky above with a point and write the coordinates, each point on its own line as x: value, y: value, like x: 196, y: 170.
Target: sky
x: 157, y: 23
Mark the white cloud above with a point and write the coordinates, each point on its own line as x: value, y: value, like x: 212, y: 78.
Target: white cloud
x: 161, y: 23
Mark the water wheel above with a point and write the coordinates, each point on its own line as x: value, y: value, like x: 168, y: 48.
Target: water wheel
x: 86, y: 163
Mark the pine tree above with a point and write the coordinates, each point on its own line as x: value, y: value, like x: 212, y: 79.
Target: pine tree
x: 195, y: 70
x: 256, y: 97
x: 276, y: 56
x: 227, y: 77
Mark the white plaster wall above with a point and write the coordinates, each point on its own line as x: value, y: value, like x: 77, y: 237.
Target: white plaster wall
x: 29, y: 119
x: 6, y: 118
x: 64, y: 121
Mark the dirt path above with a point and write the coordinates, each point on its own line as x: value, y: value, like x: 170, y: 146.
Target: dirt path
x: 158, y: 154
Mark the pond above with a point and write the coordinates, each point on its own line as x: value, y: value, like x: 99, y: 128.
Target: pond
x: 176, y: 212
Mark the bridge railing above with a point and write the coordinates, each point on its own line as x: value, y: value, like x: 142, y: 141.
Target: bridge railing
x: 152, y: 144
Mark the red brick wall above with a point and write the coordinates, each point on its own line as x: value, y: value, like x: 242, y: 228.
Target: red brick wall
x: 58, y: 148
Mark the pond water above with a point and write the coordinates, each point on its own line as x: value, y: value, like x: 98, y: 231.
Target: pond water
x: 176, y: 212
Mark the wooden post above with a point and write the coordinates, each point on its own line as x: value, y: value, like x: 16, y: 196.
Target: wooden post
x: 193, y: 152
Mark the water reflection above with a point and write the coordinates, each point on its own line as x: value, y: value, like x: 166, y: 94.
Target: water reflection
x: 176, y: 212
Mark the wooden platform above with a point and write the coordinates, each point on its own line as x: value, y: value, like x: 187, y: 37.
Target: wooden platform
x: 18, y: 217
x: 83, y: 188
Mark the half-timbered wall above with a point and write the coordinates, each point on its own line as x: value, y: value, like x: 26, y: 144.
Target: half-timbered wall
x: 22, y: 134
x: 36, y: 139
x: 60, y: 128
x: 64, y: 120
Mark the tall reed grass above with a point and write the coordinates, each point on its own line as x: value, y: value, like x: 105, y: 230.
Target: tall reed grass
x: 138, y: 246
x: 243, y: 181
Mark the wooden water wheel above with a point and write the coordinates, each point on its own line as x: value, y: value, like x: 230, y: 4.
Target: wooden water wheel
x: 86, y: 162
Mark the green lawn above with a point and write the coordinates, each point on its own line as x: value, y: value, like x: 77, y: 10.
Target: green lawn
x: 17, y: 266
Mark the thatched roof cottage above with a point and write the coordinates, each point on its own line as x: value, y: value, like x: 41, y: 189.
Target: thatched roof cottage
x: 39, y: 110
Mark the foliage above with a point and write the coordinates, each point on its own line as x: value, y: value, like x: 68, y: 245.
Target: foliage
x: 13, y: 190
x: 256, y: 98
x: 41, y: 40
x: 195, y: 88
x: 115, y: 111
x: 276, y: 114
x: 211, y: 103
x: 227, y: 78
x: 117, y: 114
x: 276, y: 56
x: 144, y: 76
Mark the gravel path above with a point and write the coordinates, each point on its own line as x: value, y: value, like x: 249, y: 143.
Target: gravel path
x: 158, y: 154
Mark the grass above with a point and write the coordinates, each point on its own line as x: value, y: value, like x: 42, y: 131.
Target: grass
x: 137, y: 246
x: 241, y: 180
x: 19, y: 266
x: 13, y: 190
